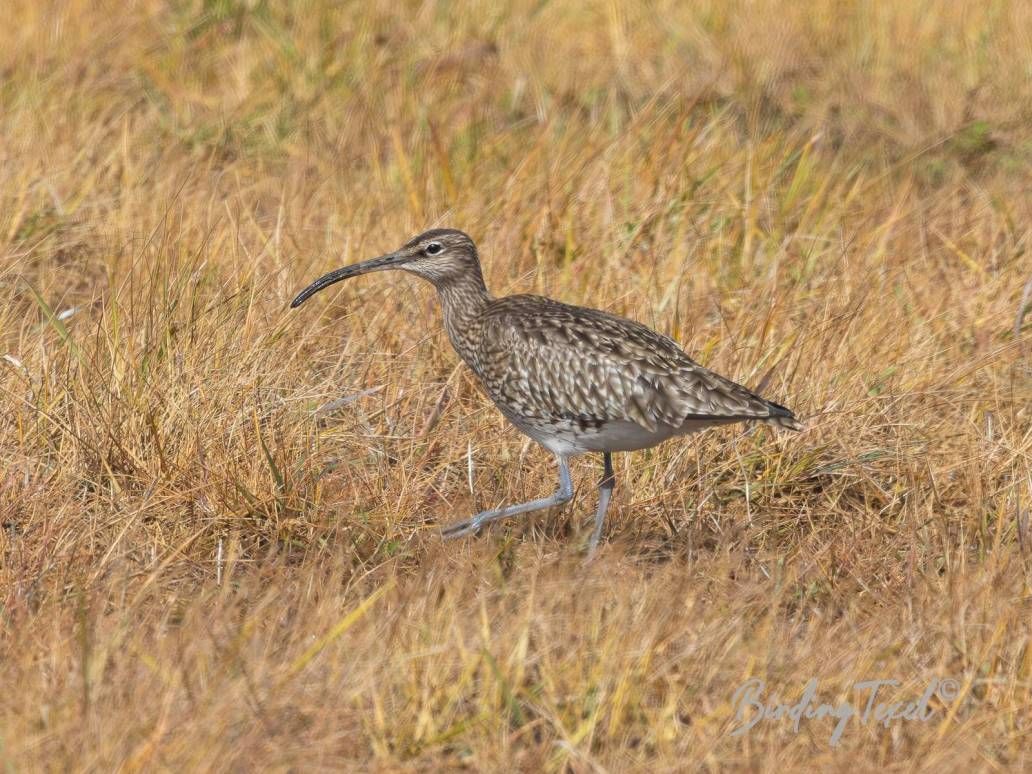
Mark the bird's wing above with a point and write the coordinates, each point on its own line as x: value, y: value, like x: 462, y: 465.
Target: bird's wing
x: 550, y: 360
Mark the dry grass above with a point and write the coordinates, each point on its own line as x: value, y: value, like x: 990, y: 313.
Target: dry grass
x: 203, y: 570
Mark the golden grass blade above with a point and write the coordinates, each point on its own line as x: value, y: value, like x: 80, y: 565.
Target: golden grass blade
x: 338, y: 629
x: 56, y: 323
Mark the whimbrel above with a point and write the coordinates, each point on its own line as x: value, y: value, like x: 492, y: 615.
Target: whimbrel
x: 575, y: 380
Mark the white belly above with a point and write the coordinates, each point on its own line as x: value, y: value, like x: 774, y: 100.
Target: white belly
x: 567, y: 438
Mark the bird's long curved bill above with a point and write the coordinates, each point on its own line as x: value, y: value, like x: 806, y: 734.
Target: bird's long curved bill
x: 388, y: 261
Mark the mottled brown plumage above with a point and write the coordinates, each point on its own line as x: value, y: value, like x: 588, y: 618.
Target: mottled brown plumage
x: 573, y: 379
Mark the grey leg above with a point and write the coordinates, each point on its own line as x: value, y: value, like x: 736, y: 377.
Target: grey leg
x: 605, y: 492
x: 562, y: 495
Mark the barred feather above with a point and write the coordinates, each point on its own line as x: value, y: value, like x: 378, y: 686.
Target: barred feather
x: 574, y: 379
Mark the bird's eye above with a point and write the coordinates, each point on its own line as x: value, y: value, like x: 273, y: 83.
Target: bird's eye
x: 433, y: 248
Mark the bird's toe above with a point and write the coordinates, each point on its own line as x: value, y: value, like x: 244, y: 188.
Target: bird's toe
x: 459, y: 529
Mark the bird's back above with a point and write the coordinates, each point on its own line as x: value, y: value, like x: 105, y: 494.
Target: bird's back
x: 544, y: 361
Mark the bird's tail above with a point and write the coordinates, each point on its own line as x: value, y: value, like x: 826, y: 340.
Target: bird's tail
x: 782, y: 417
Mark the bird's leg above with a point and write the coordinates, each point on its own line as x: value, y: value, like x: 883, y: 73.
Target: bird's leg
x: 562, y: 495
x: 605, y: 492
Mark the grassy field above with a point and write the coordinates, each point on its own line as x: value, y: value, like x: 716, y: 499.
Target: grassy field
x: 220, y: 545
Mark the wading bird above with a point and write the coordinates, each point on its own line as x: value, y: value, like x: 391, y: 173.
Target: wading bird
x: 575, y: 380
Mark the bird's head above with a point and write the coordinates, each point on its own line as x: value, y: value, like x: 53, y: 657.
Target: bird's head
x: 442, y: 256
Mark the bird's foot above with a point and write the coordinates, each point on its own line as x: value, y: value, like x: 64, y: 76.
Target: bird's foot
x: 472, y: 524
x: 482, y: 519
x: 463, y: 528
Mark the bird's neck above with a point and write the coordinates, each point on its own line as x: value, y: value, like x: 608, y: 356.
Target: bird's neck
x: 463, y: 302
